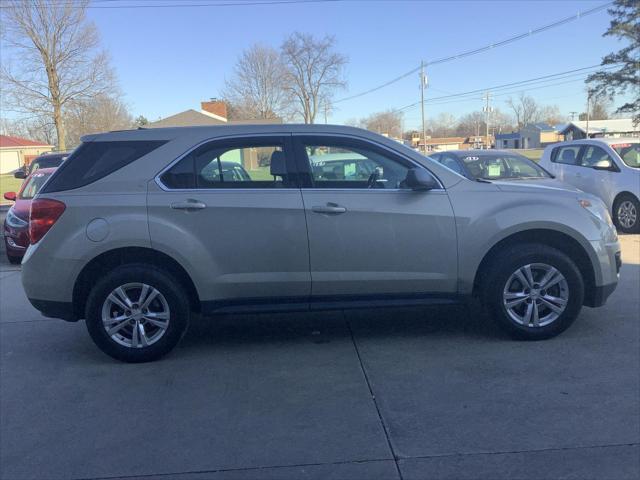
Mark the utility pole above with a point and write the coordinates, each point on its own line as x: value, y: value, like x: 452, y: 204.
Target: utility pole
x: 326, y: 109
x: 423, y: 85
x: 487, y: 111
x: 588, y: 113
x: 573, y: 115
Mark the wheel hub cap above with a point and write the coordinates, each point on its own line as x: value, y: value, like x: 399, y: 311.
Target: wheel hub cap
x: 627, y: 214
x: 135, y: 315
x: 535, y: 295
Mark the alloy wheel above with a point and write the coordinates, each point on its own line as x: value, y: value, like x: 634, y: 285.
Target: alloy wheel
x: 627, y: 214
x: 535, y: 295
x: 135, y: 315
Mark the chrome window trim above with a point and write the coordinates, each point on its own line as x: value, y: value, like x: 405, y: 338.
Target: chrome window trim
x: 163, y: 187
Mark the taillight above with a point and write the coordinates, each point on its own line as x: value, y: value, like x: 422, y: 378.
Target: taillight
x: 44, y: 213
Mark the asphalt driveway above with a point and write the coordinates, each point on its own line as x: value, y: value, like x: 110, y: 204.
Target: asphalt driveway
x: 410, y: 393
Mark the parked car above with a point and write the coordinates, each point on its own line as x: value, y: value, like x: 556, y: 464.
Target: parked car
x: 133, y: 233
x: 491, y: 165
x: 606, y: 167
x: 16, y: 223
x: 46, y: 160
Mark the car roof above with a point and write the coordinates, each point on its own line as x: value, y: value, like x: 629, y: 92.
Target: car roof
x: 606, y: 141
x: 492, y: 152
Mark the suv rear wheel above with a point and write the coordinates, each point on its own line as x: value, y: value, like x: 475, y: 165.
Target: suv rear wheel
x: 533, y: 291
x: 137, y: 313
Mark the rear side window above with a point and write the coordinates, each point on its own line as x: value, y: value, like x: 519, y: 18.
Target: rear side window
x: 95, y: 160
x: 567, y: 155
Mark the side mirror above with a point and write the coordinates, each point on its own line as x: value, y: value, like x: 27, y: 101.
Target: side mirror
x: 20, y: 174
x: 419, y: 179
x: 603, y: 165
x: 11, y: 196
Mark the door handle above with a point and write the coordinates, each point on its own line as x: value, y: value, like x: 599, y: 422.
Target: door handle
x: 188, y: 205
x: 331, y: 208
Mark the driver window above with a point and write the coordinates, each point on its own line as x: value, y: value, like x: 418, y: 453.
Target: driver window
x: 341, y: 166
x: 593, y: 155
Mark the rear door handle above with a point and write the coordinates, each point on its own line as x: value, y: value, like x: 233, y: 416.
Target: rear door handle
x: 331, y: 208
x: 189, y: 205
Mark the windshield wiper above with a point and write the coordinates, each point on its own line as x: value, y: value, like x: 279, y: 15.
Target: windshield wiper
x: 483, y: 180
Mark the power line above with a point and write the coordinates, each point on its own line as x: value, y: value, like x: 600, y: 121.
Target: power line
x: 527, y: 83
x: 485, y: 48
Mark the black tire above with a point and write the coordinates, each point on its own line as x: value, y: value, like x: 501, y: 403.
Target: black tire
x: 176, y: 299
x: 14, y: 260
x: 499, y: 273
x: 634, y: 228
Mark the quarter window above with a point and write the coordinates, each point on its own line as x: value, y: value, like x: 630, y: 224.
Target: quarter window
x: 566, y: 155
x: 344, y: 164
x: 238, y: 164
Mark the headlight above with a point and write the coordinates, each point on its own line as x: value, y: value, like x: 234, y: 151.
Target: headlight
x: 14, y: 221
x: 598, y: 210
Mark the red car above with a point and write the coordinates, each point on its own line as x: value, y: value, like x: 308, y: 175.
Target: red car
x: 16, y: 223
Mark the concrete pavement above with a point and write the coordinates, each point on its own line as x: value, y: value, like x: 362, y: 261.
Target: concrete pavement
x: 410, y: 393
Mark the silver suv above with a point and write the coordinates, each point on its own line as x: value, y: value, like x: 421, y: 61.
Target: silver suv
x: 139, y: 229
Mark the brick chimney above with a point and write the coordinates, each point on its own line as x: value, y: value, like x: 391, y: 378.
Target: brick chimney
x: 215, y: 106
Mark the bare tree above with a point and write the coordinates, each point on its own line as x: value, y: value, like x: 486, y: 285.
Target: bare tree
x: 258, y: 87
x: 58, y: 59
x: 600, y: 106
x: 34, y: 128
x: 314, y: 72
x: 551, y: 114
x: 387, y: 123
x: 444, y: 125
x: 524, y: 108
x: 100, y: 114
x: 471, y: 124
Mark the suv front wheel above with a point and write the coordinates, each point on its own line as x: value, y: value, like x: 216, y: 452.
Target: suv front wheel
x: 137, y: 313
x: 533, y: 291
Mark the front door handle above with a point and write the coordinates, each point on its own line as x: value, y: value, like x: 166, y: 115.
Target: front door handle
x: 332, y: 208
x: 189, y: 205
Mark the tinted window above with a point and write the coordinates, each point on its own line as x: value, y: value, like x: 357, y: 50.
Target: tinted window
x: 593, y: 155
x: 33, y: 185
x: 629, y: 153
x: 95, y: 160
x: 238, y: 164
x: 344, y: 165
x: 567, y: 155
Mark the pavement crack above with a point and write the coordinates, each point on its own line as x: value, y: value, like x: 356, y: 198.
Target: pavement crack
x: 373, y: 397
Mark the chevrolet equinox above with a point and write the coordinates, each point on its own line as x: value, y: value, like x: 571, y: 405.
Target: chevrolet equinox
x: 139, y: 229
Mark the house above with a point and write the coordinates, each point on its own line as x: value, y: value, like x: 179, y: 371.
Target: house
x: 16, y: 152
x: 539, y: 135
x: 212, y: 112
x: 442, y: 144
x: 508, y: 140
x: 613, y: 128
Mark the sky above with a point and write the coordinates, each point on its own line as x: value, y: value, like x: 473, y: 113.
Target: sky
x: 170, y: 59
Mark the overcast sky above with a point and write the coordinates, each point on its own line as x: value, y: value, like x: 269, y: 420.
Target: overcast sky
x: 169, y: 59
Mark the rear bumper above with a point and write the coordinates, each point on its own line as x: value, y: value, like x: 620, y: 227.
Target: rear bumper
x: 51, y: 309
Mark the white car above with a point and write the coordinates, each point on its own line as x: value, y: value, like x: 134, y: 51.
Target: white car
x: 606, y: 167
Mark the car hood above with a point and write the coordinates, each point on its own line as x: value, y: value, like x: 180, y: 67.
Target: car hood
x: 535, y: 185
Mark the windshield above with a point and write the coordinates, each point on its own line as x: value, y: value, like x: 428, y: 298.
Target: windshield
x: 629, y: 153
x: 33, y: 185
x: 502, y: 166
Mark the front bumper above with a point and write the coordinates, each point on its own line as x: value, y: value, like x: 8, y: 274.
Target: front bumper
x: 51, y: 309
x: 599, y: 295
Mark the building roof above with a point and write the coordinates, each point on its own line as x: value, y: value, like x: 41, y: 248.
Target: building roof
x: 614, y: 125
x: 542, y: 126
x: 195, y: 118
x: 444, y: 140
x: 508, y: 136
x: 7, y: 141
x: 188, y: 118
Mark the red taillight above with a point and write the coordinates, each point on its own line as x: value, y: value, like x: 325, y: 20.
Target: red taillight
x: 44, y: 213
